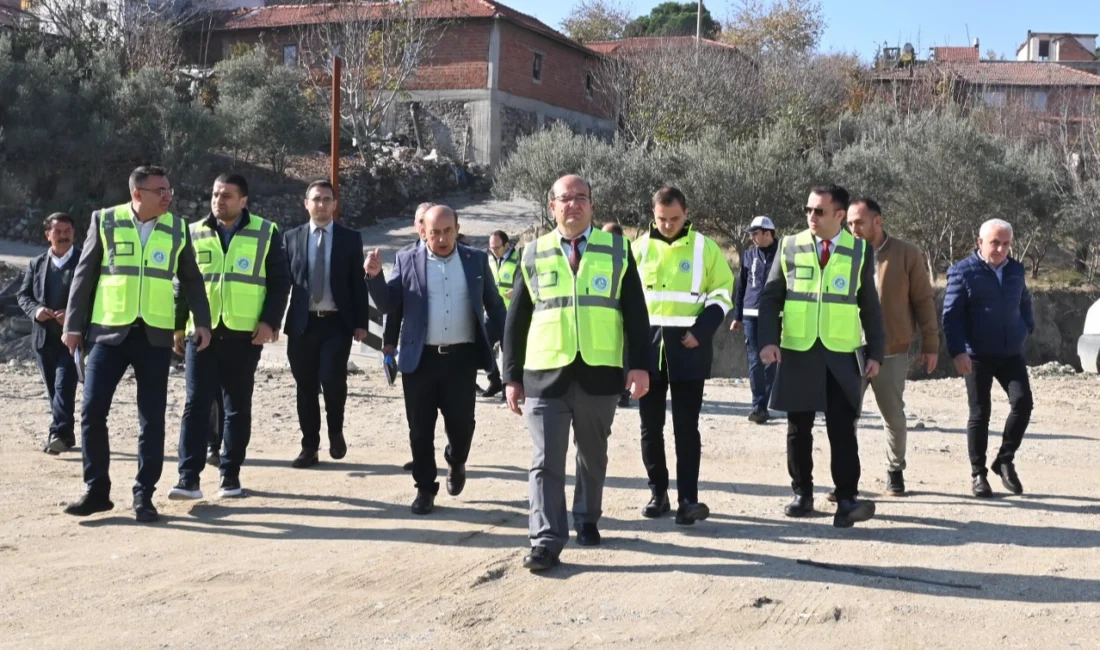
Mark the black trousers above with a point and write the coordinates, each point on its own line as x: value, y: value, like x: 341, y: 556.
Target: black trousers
x: 687, y: 400
x: 224, y: 373
x: 443, y: 383
x: 1011, y: 374
x: 319, y: 362
x: 59, y: 375
x: 840, y: 423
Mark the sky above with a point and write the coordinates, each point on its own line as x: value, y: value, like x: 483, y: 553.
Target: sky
x: 860, y: 26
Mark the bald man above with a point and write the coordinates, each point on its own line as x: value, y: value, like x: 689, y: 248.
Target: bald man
x: 987, y: 318
x: 443, y: 301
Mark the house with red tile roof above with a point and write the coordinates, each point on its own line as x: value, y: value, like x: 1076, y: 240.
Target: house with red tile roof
x: 495, y: 74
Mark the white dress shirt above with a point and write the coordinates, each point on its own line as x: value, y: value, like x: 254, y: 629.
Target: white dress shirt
x: 450, y: 318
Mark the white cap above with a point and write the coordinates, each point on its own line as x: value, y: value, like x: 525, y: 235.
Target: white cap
x: 761, y: 223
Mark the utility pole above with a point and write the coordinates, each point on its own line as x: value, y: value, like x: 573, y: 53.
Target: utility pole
x: 698, y: 30
x: 334, y: 168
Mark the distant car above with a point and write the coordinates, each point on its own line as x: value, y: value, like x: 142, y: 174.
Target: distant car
x: 1088, y: 346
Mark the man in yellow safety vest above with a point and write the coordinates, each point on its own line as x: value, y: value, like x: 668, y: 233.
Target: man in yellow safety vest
x: 578, y: 296
x: 824, y: 285
x: 122, y: 304
x: 504, y: 265
x: 688, y: 285
x: 244, y: 265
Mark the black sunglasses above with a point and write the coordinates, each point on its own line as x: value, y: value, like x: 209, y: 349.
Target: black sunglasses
x: 817, y: 212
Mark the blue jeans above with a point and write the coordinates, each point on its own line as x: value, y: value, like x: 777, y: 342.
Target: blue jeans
x: 59, y: 375
x: 225, y: 371
x: 761, y: 377
x: 105, y: 368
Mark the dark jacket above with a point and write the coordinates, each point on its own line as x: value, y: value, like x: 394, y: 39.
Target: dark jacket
x: 601, y: 380
x: 404, y: 299
x: 755, y: 265
x: 982, y: 316
x: 86, y: 280
x: 800, y: 379
x: 32, y: 295
x: 346, y: 278
x: 277, y: 274
x: 685, y: 364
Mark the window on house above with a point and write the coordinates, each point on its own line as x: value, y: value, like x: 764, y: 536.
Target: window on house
x: 536, y: 68
x: 1044, y: 50
x: 588, y: 85
x: 290, y: 55
x: 994, y: 98
x: 1036, y: 101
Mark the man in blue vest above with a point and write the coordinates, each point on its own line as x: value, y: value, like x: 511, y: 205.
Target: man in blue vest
x: 756, y: 263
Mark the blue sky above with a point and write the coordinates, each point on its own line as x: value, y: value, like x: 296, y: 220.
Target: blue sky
x: 861, y: 25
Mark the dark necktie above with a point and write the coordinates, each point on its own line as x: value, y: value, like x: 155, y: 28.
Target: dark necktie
x: 824, y: 252
x: 575, y: 253
x: 317, y: 278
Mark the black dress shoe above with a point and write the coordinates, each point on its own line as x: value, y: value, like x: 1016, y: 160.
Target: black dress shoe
x: 852, y: 511
x: 57, y: 446
x: 1007, y: 472
x: 456, y: 480
x: 831, y: 496
x: 214, y: 459
x: 493, y: 389
x: 337, y: 446
x: 689, y: 513
x: 305, y: 459
x: 89, y: 504
x: 895, y: 483
x: 144, y: 511
x: 981, y: 487
x: 800, y: 506
x: 658, y: 505
x: 424, y: 503
x: 759, y: 417
x: 540, y: 559
x: 408, y: 467
x: 588, y: 535
x: 624, y: 400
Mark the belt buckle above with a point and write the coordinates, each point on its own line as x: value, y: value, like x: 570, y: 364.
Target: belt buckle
x: 442, y: 349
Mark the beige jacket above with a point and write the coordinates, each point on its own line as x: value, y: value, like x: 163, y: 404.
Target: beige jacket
x: 905, y: 292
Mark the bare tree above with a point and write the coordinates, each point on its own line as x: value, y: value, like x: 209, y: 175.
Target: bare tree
x: 382, y: 46
x: 664, y: 94
x: 143, y: 33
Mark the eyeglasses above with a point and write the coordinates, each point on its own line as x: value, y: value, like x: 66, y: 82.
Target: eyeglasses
x: 579, y: 199
x: 817, y: 212
x: 160, y: 191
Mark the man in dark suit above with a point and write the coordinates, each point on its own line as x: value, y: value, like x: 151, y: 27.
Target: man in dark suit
x: 122, y: 304
x: 576, y: 306
x: 328, y: 308
x: 43, y: 297
x: 824, y: 286
x: 443, y: 301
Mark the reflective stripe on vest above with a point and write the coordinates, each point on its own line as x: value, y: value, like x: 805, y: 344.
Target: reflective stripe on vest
x: 236, y: 279
x: 136, y: 280
x: 504, y: 274
x: 674, y: 298
x: 821, y: 303
x: 575, y: 314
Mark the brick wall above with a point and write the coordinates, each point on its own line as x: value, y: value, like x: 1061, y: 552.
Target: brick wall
x: 563, y: 70
x: 459, y: 61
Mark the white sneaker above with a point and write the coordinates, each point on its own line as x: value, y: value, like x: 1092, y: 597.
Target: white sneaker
x: 185, y: 491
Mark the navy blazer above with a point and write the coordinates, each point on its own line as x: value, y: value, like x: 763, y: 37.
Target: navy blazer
x: 32, y: 294
x: 406, y: 302
x: 346, y: 278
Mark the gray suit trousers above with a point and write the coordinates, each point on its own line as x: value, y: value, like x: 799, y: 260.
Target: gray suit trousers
x: 549, y: 420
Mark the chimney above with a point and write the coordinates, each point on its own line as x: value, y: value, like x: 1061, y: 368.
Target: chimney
x: 977, y: 44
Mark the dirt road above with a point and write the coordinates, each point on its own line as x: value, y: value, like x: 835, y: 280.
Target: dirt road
x: 332, y: 557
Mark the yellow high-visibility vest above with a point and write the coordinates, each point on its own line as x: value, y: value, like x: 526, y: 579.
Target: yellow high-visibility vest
x: 822, y: 303
x: 235, y: 279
